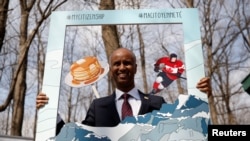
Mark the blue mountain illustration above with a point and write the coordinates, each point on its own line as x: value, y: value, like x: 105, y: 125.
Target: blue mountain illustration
x: 73, y: 132
x: 169, y: 123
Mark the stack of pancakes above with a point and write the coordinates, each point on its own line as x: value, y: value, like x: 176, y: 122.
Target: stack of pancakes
x: 86, y: 70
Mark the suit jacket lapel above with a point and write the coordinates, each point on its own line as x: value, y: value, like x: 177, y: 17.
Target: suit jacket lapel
x: 112, y: 108
x: 144, y: 103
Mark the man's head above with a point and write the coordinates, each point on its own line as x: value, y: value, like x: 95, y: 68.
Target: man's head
x: 123, y: 68
x: 173, y: 57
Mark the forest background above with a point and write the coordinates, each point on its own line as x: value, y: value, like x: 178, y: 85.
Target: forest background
x: 24, y: 26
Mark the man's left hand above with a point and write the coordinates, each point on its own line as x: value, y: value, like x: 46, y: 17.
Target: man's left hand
x: 204, y: 86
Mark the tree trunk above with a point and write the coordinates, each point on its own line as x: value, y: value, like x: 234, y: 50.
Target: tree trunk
x: 189, y: 3
x: 207, y: 42
x: 143, y: 62
x: 20, y: 86
x: 179, y: 86
x: 109, y: 35
x: 3, y: 19
x: 18, y: 101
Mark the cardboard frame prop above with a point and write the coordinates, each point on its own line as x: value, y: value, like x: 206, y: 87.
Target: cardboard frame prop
x: 194, y: 64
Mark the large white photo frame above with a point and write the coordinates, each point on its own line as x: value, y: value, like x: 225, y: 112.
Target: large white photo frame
x: 194, y: 64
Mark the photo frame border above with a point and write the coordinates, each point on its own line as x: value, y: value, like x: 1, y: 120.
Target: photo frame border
x: 188, y: 17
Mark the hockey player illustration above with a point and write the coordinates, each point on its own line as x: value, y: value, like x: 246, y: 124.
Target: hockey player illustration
x: 168, y: 69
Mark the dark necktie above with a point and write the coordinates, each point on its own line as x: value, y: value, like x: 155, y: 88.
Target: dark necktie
x: 126, y: 108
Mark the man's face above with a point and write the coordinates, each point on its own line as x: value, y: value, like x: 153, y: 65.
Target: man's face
x: 123, y: 69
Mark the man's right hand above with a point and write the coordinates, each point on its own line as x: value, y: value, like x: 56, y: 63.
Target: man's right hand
x: 41, y: 100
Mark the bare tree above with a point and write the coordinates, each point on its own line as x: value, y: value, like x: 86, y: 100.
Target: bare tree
x: 142, y: 56
x: 224, y: 25
x: 242, y: 21
x: 18, y: 86
x: 219, y: 40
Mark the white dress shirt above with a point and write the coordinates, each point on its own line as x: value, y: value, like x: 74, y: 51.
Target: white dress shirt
x: 134, y: 100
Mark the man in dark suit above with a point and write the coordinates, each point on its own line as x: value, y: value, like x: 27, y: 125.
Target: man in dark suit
x: 103, y: 111
x: 107, y: 111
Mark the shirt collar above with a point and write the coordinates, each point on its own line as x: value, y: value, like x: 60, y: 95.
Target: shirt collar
x: 133, y: 92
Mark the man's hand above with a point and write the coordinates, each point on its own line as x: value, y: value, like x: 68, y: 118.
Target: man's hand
x: 204, y: 86
x: 41, y: 100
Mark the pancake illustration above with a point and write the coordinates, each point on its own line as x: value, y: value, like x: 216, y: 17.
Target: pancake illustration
x: 86, y: 71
